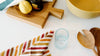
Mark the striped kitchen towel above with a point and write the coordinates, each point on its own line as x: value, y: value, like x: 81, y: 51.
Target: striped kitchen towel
x: 36, y: 47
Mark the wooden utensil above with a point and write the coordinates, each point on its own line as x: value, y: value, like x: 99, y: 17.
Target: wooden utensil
x: 36, y: 18
x: 87, y: 40
x: 96, y: 33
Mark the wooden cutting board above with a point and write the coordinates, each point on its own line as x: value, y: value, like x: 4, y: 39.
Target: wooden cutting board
x: 36, y: 18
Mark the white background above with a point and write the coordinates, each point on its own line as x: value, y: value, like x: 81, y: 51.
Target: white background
x: 14, y: 32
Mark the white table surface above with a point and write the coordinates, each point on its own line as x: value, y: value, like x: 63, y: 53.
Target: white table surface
x: 14, y: 32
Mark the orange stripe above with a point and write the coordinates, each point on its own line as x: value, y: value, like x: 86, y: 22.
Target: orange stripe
x: 16, y: 51
x: 45, y: 40
x: 49, y: 55
x: 46, y: 33
x: 49, y: 35
x: 33, y: 41
x: 29, y: 43
x: 20, y: 49
x: 46, y: 52
x: 38, y: 38
x: 2, y: 54
x: 41, y: 44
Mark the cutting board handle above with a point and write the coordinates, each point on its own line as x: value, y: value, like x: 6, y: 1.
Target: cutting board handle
x: 57, y: 12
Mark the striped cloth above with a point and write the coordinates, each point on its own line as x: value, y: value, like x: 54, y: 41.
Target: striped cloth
x: 36, y: 47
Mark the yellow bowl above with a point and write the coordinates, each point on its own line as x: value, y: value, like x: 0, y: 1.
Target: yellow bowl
x: 80, y: 12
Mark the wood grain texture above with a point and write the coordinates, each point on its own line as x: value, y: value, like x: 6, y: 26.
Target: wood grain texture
x: 36, y: 18
x: 96, y: 32
x: 87, y: 40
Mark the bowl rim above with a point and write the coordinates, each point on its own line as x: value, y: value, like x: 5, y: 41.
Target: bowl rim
x: 82, y: 9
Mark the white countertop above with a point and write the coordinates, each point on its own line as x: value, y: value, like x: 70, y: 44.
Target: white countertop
x: 14, y: 32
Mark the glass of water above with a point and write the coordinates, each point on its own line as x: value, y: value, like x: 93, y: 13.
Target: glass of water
x: 61, y: 38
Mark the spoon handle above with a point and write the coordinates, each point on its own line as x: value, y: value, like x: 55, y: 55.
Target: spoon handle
x: 95, y: 52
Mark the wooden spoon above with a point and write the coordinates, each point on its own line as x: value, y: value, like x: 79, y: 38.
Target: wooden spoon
x: 96, y: 33
x: 87, y: 40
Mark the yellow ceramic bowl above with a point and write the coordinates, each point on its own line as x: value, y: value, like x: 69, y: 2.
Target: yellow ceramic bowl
x: 81, y: 13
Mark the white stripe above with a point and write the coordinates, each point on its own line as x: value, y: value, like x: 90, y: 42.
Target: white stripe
x: 31, y: 54
x: 25, y: 55
x: 35, y: 50
x: 47, y: 38
x: 46, y: 50
x: 40, y: 46
x: 46, y: 54
x: 43, y: 41
x: 37, y: 54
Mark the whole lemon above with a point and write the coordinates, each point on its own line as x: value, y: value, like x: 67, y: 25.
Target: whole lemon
x: 25, y: 7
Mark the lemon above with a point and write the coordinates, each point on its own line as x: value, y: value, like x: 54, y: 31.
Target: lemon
x: 25, y: 7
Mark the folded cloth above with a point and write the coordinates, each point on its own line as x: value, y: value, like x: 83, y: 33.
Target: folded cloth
x: 6, y: 4
x: 36, y: 47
